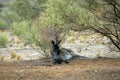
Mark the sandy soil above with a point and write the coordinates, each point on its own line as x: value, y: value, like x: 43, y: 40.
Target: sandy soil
x: 43, y: 69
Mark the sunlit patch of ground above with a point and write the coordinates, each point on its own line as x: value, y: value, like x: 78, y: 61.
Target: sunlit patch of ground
x: 43, y: 69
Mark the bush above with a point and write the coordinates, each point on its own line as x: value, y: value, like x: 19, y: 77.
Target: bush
x: 3, y: 26
x: 3, y: 40
x: 16, y: 56
x: 45, y: 36
x: 25, y: 30
x: 43, y: 39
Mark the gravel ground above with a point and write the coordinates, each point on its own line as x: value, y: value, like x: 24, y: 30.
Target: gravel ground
x: 77, y: 69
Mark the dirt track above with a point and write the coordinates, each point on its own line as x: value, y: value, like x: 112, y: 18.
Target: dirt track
x: 89, y: 69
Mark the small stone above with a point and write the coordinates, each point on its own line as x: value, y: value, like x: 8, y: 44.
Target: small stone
x: 95, y: 70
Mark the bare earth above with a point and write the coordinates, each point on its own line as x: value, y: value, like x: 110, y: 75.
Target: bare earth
x: 77, y: 69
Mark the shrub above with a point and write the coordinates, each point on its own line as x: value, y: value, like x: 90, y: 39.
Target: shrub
x: 3, y: 26
x: 16, y: 56
x: 3, y: 40
x: 45, y: 36
x: 43, y: 41
x: 25, y: 30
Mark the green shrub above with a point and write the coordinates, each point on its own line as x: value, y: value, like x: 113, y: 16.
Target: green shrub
x: 43, y: 48
x: 25, y: 30
x: 3, y: 25
x: 3, y: 40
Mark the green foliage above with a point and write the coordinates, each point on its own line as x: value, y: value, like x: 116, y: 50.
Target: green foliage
x: 27, y: 9
x: 7, y: 17
x: 44, y: 47
x: 58, y: 18
x: 106, y: 19
x: 3, y: 40
x: 10, y: 16
x: 25, y: 30
x: 45, y: 35
x: 55, y: 17
x: 3, y: 25
x: 51, y: 16
x: 66, y: 13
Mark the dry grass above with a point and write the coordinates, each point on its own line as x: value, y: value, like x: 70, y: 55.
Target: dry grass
x: 89, y: 69
x: 15, y: 55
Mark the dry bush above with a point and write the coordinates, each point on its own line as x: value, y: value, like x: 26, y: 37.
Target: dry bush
x: 45, y: 36
x: 16, y: 56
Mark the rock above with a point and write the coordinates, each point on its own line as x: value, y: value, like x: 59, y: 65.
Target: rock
x: 106, y: 40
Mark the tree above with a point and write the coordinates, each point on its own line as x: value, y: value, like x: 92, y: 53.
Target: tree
x: 56, y: 17
x: 101, y: 16
x: 107, y: 19
x: 51, y: 25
